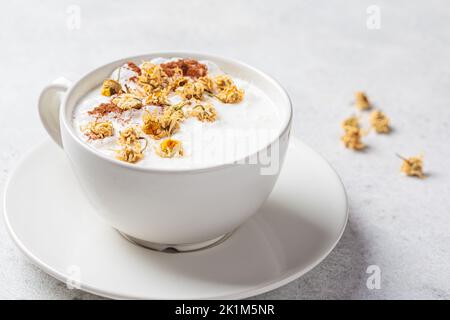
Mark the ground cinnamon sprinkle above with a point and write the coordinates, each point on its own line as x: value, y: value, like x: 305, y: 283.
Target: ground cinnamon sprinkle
x: 104, y: 108
x: 133, y: 67
x: 189, y: 67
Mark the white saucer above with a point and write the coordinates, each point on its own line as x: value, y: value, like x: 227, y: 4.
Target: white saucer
x: 52, y: 223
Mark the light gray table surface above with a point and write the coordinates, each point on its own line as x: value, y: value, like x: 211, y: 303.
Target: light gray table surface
x: 322, y: 52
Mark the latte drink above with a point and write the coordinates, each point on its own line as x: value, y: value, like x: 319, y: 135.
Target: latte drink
x: 176, y: 113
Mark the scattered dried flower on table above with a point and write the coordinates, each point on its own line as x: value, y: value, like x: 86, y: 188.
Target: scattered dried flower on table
x: 413, y: 166
x: 111, y: 87
x: 362, y: 102
x: 98, y: 130
x: 380, y: 122
x: 352, y: 138
x: 350, y: 122
x: 170, y: 148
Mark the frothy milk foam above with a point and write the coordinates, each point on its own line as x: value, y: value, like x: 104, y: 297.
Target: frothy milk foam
x: 240, y: 130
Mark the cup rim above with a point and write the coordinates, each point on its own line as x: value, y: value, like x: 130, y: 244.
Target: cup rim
x: 286, y: 121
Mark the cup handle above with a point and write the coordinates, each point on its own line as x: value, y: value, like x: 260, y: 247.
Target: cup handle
x: 49, y: 105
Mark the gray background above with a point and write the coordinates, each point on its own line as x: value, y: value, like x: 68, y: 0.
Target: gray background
x: 322, y: 52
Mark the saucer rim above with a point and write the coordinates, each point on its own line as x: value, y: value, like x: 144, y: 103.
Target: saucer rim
x: 257, y: 290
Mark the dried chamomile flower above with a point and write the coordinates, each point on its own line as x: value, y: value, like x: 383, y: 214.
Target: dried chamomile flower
x: 178, y: 82
x: 175, y: 111
x: 413, y: 166
x: 152, y: 126
x: 139, y: 91
x: 98, y: 130
x: 380, y: 122
x: 191, y: 90
x: 207, y: 83
x: 178, y: 106
x: 171, y: 118
x: 230, y: 95
x: 128, y: 136
x: 153, y: 75
x: 131, y: 150
x: 127, y: 101
x: 159, y: 97
x: 227, y: 90
x: 223, y: 81
x: 161, y: 125
x: 177, y: 79
x: 170, y: 148
x: 350, y: 122
x: 361, y: 100
x: 205, y: 112
x: 130, y: 153
x: 111, y: 87
x: 352, y: 138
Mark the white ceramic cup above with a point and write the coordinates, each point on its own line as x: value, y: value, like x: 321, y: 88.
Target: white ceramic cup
x: 159, y: 208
